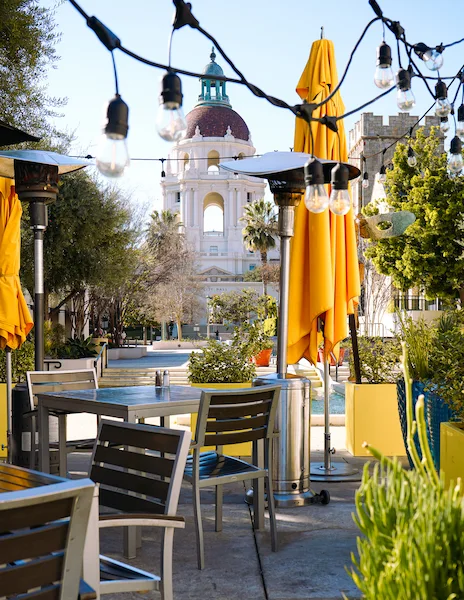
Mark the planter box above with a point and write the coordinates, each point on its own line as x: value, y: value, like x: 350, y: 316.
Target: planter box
x: 71, y: 363
x: 174, y: 345
x: 124, y: 352
x: 452, y: 451
x: 371, y: 415
x: 233, y: 449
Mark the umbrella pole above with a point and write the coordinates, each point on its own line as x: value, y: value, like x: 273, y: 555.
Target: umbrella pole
x: 9, y: 405
x: 327, y: 449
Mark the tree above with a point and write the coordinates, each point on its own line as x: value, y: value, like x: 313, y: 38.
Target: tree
x: 429, y: 254
x: 27, y: 39
x: 260, y: 231
x: 89, y: 243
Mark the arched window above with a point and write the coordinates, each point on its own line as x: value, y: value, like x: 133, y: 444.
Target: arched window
x: 213, y: 214
x: 186, y: 163
x: 213, y: 159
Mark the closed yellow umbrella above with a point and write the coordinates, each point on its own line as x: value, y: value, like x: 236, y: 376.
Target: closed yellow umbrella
x: 324, y: 274
x: 15, y: 318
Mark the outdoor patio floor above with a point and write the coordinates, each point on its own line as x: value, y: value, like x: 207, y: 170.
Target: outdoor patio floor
x: 315, y: 543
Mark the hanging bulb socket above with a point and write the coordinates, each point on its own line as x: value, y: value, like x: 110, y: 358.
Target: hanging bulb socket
x: 460, y: 123
x: 432, y: 57
x: 117, y: 115
x: 365, y: 181
x: 316, y: 198
x: 340, y: 201
x: 412, y: 160
x: 383, y: 174
x: 455, y: 162
x: 442, y: 105
x: 456, y: 145
x: 403, y: 80
x: 339, y: 177
x: 384, y: 56
x: 441, y: 91
x: 171, y: 91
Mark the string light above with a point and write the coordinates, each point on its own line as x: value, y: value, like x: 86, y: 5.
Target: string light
x: 404, y: 97
x: 432, y: 57
x: 315, y: 198
x: 340, y: 201
x: 412, y: 160
x: 442, y: 105
x: 444, y: 125
x: 455, y: 160
x: 170, y: 121
x: 383, y: 77
x: 460, y: 123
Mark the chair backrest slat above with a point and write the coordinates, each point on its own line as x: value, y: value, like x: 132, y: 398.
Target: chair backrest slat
x: 59, y: 381
x: 236, y: 415
x: 42, y: 535
x: 134, y: 469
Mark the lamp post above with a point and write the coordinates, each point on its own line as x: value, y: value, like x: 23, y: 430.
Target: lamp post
x: 36, y: 176
x: 285, y: 173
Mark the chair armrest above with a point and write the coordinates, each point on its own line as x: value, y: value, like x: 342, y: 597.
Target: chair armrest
x: 86, y: 592
x: 128, y: 520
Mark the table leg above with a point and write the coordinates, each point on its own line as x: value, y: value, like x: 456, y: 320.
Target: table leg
x: 44, y: 437
x: 91, y: 558
x: 258, y: 485
x: 130, y: 533
x: 62, y: 454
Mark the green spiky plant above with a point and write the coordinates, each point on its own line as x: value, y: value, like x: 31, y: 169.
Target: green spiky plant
x: 412, y: 523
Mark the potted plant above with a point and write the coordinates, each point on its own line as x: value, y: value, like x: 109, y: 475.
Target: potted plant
x: 435, y: 355
x: 72, y: 353
x: 371, y: 411
x: 222, y: 365
x: 410, y: 523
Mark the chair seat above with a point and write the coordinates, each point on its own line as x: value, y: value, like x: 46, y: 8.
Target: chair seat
x: 213, y: 465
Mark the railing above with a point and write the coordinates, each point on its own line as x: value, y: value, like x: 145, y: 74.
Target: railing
x: 418, y: 303
x: 102, y: 358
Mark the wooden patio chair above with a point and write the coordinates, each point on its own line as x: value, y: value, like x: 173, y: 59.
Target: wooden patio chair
x: 42, y: 536
x: 144, y: 489
x: 231, y: 417
x: 57, y: 381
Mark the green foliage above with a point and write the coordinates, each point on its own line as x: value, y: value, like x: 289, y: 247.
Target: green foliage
x: 429, y: 253
x: 22, y: 361
x: 220, y: 363
x: 78, y: 347
x: 419, y: 337
x: 379, y: 360
x: 411, y: 525
x: 254, y: 316
x: 54, y: 336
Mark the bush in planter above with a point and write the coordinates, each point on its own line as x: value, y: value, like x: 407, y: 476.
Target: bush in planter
x: 22, y: 361
x: 221, y: 363
x: 411, y: 523
x: 75, y: 348
x: 379, y: 360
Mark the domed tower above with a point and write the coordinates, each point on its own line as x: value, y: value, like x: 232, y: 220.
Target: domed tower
x: 210, y: 201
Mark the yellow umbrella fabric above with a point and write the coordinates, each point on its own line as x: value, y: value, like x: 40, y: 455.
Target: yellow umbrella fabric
x: 324, y: 274
x: 15, y: 318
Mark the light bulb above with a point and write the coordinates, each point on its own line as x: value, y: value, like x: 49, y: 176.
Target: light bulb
x: 442, y: 107
x: 404, y: 96
x: 170, y: 121
x: 405, y: 100
x: 444, y: 125
x: 460, y: 123
x: 433, y: 59
x: 412, y: 160
x: 316, y: 198
x: 365, y: 181
x: 112, y: 156
x: 340, y: 202
x: 382, y: 174
x: 383, y: 77
x: 455, y: 159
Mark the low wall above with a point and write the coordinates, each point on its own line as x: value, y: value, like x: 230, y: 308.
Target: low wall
x: 119, y: 353
x: 69, y: 363
x: 175, y: 345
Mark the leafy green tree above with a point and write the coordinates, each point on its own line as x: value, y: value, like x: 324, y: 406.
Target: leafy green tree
x: 260, y: 231
x: 89, y: 242
x: 429, y: 254
x: 27, y: 39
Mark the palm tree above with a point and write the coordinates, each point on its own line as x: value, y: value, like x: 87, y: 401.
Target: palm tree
x: 260, y: 231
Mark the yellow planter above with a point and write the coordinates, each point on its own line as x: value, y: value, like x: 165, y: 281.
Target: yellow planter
x: 371, y: 415
x: 3, y: 421
x: 452, y: 451
x: 233, y: 449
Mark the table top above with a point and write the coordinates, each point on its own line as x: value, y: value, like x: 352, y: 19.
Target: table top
x: 136, y: 397
x: 13, y: 478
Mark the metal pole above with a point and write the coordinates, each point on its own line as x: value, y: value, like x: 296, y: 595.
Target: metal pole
x: 327, y: 448
x: 9, y: 406
x: 39, y: 300
x: 286, y: 218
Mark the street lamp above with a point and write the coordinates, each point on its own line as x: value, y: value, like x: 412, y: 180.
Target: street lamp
x: 36, y: 174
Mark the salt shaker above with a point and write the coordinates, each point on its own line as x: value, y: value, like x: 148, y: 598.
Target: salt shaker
x: 158, y: 379
x: 166, y: 378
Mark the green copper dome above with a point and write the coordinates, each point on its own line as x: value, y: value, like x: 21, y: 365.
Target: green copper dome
x: 213, y: 92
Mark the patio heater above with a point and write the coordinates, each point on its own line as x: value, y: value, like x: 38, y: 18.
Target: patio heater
x: 36, y: 174
x: 291, y: 449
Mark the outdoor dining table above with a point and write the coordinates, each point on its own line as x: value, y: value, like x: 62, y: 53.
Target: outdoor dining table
x: 15, y: 479
x: 131, y: 403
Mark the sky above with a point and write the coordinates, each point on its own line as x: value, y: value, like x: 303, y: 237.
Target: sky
x: 268, y: 40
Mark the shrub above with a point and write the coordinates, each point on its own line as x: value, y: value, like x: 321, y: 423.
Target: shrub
x: 220, y: 363
x: 22, y: 361
x: 379, y: 360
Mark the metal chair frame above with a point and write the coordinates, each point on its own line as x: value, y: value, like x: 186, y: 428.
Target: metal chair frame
x: 42, y: 537
x: 232, y: 417
x: 57, y: 381
x: 144, y: 488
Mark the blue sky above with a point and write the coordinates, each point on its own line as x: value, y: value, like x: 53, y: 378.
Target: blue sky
x: 268, y: 40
